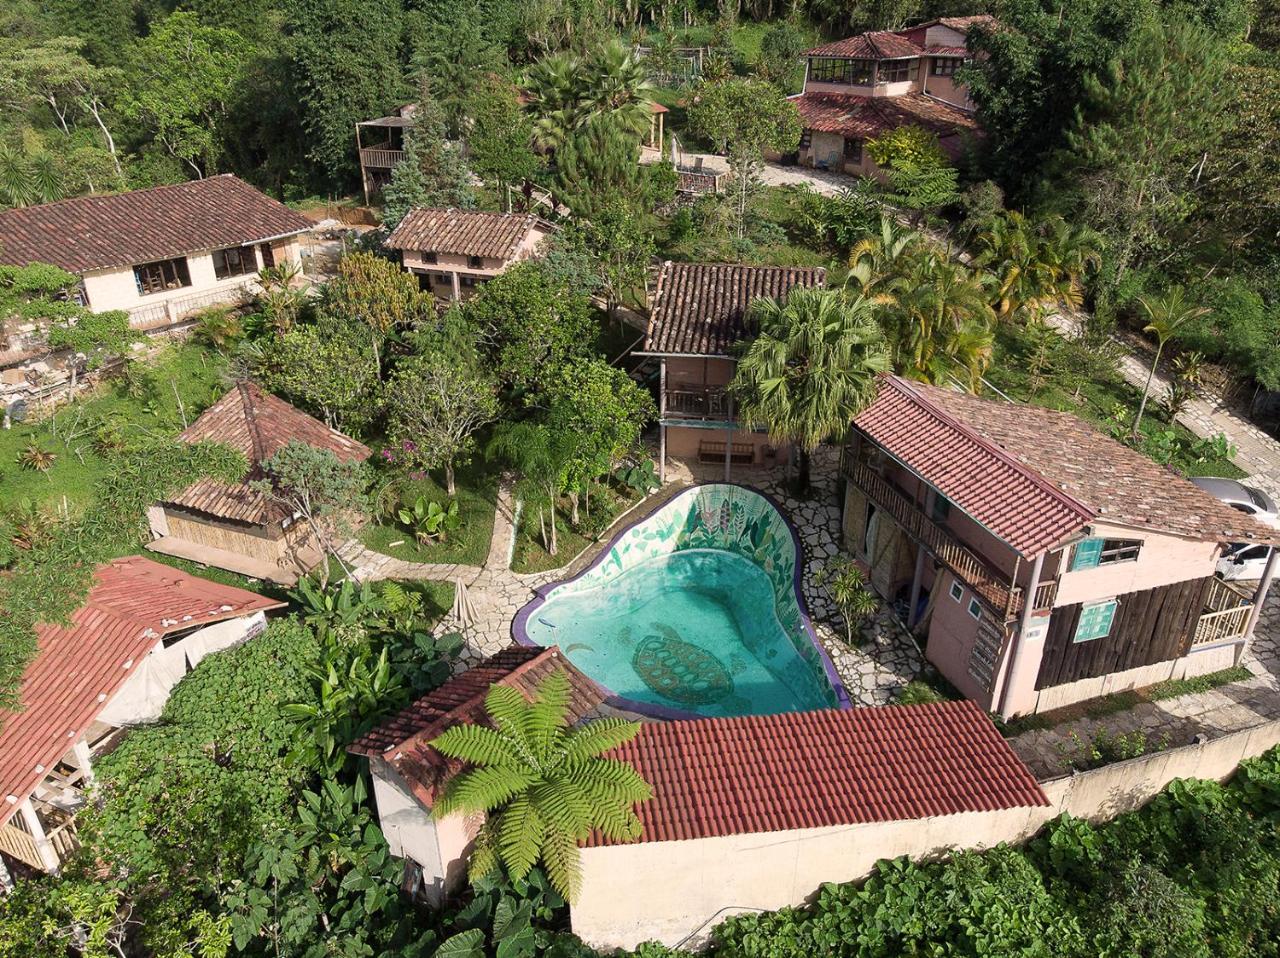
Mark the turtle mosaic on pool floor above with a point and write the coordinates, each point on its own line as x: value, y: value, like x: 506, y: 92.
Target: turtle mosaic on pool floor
x: 679, y: 670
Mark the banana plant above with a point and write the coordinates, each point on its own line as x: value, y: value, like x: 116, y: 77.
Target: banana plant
x: 429, y: 520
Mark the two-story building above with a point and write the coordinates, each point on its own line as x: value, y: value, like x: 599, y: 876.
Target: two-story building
x: 142, y: 627
x: 1045, y: 562
x: 860, y: 88
x: 380, y: 146
x: 454, y: 251
x: 699, y: 313
x: 160, y: 253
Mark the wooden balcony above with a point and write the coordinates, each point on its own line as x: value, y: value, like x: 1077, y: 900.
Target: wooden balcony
x: 18, y: 843
x: 992, y: 585
x: 698, y: 402
x: 380, y: 158
x: 1225, y: 617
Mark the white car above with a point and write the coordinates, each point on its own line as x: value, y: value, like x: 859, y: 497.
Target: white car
x: 1242, y: 560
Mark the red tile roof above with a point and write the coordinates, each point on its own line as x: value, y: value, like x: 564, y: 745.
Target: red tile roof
x: 700, y: 309
x: 865, y: 117
x: 962, y: 24
x: 403, y: 740
x: 258, y: 424
x: 768, y: 773
x: 124, y: 229
x: 462, y: 232
x: 874, y: 45
x: 133, y: 605
x: 1036, y: 477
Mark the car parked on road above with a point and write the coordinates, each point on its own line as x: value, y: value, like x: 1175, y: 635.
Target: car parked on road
x: 1242, y: 560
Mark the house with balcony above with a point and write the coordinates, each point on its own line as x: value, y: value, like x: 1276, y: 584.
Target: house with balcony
x: 142, y: 628
x: 1043, y: 562
x: 861, y: 87
x: 454, y: 251
x: 162, y: 253
x: 380, y: 146
x: 698, y: 314
x: 234, y: 526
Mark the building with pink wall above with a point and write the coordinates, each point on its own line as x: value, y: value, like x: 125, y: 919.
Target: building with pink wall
x: 699, y: 313
x: 1044, y: 562
x: 864, y: 86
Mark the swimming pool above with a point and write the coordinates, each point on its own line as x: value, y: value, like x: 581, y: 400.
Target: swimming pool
x: 693, y: 610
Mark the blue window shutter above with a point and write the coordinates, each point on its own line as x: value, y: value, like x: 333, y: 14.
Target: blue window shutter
x: 1095, y: 622
x: 1087, y: 554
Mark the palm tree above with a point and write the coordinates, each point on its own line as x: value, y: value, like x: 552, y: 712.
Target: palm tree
x: 812, y: 367
x: 1036, y: 265
x: 877, y: 263
x: 1166, y: 314
x: 554, y: 85
x: 567, y: 92
x: 618, y: 85
x: 540, y: 455
x: 944, y: 320
x: 544, y: 787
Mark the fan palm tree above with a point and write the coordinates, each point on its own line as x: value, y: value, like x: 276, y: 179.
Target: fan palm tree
x: 944, y: 320
x: 567, y: 92
x: 811, y: 368
x: 544, y: 787
x: 1166, y: 314
x: 618, y: 85
x: 554, y: 88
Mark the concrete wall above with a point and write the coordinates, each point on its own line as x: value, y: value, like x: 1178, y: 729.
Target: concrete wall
x: 683, y: 442
x: 1198, y: 662
x: 441, y: 272
x: 944, y: 87
x: 117, y: 289
x: 675, y: 892
x: 952, y: 635
x: 698, y: 371
x: 1163, y: 560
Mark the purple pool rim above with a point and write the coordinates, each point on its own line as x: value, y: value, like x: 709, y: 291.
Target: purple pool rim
x: 519, y: 625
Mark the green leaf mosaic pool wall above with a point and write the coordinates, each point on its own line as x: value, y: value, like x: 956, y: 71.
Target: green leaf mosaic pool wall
x: 729, y: 518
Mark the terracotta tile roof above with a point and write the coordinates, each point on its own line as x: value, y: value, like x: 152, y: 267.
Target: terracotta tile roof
x: 768, y: 773
x: 1037, y: 477
x: 700, y: 308
x: 462, y: 232
x: 864, y: 117
x: 258, y: 424
x: 874, y: 45
x: 403, y: 740
x: 962, y: 24
x: 133, y: 605
x: 124, y: 229
x: 938, y: 50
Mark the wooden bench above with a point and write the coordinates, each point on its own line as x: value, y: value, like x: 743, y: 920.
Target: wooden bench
x: 742, y: 453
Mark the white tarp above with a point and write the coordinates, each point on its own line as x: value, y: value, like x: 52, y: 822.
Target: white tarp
x: 142, y: 697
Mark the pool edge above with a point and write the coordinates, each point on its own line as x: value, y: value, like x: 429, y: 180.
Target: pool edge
x: 519, y: 630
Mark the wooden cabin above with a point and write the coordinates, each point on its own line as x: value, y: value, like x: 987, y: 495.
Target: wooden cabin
x: 232, y: 526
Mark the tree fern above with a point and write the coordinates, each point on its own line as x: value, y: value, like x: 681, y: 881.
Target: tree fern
x: 544, y: 787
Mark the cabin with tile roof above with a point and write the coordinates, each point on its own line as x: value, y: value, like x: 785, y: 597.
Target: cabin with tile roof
x: 1043, y: 562
x: 699, y: 312
x: 454, y: 251
x: 142, y: 628
x: 161, y: 253
x: 862, y: 87
x: 234, y: 527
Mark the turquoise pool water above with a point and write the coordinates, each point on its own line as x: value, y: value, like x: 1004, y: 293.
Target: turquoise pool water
x: 692, y: 610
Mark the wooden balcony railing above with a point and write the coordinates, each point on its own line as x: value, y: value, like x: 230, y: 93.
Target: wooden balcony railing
x: 20, y: 844
x: 1225, y: 617
x: 380, y: 159
x: 698, y: 402
x: 990, y: 584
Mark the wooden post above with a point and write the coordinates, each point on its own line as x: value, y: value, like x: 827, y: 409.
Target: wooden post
x: 457, y: 288
x: 83, y: 756
x: 364, y: 176
x: 728, y: 452
x: 662, y: 415
x: 1260, y: 597
x: 917, y: 582
x: 1018, y: 652
x: 48, y: 857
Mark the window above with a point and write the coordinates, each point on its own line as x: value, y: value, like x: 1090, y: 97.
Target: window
x: 1095, y: 620
x: 941, y: 508
x: 475, y: 262
x: 806, y: 139
x: 468, y: 281
x: 975, y: 608
x: 161, y: 275
x: 957, y: 590
x: 234, y: 261
x: 945, y: 66
x: 431, y: 257
x: 1091, y: 553
x: 268, y: 255
x: 852, y: 151
x: 895, y: 71
x: 832, y: 70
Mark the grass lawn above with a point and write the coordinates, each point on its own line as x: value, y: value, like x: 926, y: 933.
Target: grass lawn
x: 188, y: 373
x: 1076, y: 380
x: 468, y: 544
x: 607, y: 503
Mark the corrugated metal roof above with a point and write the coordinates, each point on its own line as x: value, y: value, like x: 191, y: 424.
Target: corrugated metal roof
x: 125, y: 229
x: 769, y: 773
x: 701, y: 308
x: 134, y: 603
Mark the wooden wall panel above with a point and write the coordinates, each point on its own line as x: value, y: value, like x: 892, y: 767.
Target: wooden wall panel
x: 1152, y: 626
